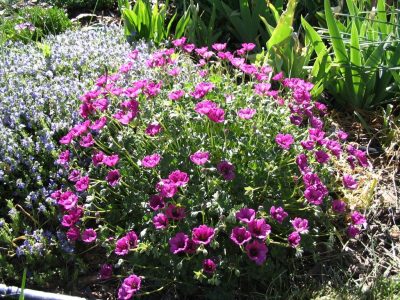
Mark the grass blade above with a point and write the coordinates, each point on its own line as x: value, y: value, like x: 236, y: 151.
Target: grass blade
x: 21, y: 295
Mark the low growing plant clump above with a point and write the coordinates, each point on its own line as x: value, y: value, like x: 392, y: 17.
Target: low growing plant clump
x: 220, y: 174
x: 39, y: 94
x: 34, y: 23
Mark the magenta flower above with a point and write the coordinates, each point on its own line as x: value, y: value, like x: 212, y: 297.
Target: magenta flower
x: 334, y: 147
x: 246, y: 215
x: 204, y: 107
x: 308, y: 144
x: 179, y: 178
x: 160, y: 221
x: 105, y: 272
x: 259, y: 228
x: 257, y: 252
x: 73, y: 233
x: 216, y: 115
x: 67, y: 200
x: 63, y: 158
x: 357, y: 218
x: 278, y: 214
x: 178, y: 243
x: 89, y: 235
x: 219, y: 46
x: 124, y: 117
x: 82, y: 184
x: 153, y: 129
x: 176, y: 95
x: 321, y: 156
x: 315, y: 194
x: 226, y: 169
x: 175, y: 212
x: 129, y: 287
x: 278, y: 77
x: 302, y: 163
x: 97, y: 158
x: 99, y: 124
x: 246, y: 113
x: 199, y: 157
x: 202, y: 89
x: 122, y: 246
x: 294, y: 239
x: 338, y: 206
x: 69, y: 220
x: 74, y: 175
x: 362, y: 158
x: 113, y: 177
x: 203, y: 234
x: 179, y: 42
x: 248, y: 69
x: 240, y: 235
x: 156, y: 202
x: 150, y: 161
x: 188, y: 47
x: 248, y: 46
x: 316, y: 122
x: 300, y: 225
x: 132, y: 239
x: 174, y: 72
x: 353, y: 231
x: 349, y: 182
x: 209, y: 266
x: 101, y: 104
x: 284, y: 140
x: 111, y: 160
x: 191, y: 247
x: 262, y: 88
x: 166, y: 188
x: 87, y: 141
x: 342, y: 135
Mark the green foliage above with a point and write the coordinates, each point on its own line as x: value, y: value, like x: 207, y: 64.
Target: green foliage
x: 245, y: 24
x: 33, y: 23
x: 79, y: 5
x: 284, y: 50
x: 362, y: 72
x: 150, y: 22
x: 202, y: 28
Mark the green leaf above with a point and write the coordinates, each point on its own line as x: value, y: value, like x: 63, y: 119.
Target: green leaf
x: 284, y: 28
x: 355, y: 60
x: 382, y: 17
x: 182, y: 24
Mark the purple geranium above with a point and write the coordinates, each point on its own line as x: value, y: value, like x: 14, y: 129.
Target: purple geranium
x: 129, y: 287
x: 226, y: 169
x: 284, y: 140
x: 89, y: 235
x: 294, y: 239
x: 203, y: 234
x: 240, y: 235
x: 150, y: 161
x: 300, y: 225
x: 200, y: 157
x: 257, y: 252
x: 278, y: 213
x: 178, y: 243
x: 259, y: 228
x: 246, y: 215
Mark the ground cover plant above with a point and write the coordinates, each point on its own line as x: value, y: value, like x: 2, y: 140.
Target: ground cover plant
x: 204, y: 178
x: 39, y: 91
x: 33, y: 23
